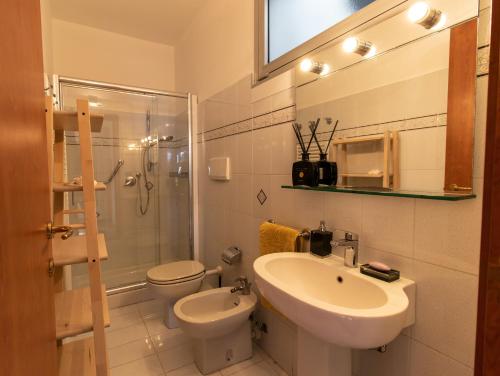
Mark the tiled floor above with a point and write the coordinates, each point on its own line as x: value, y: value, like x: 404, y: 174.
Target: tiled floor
x: 139, y: 344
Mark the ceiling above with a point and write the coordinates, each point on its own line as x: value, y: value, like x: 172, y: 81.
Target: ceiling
x: 161, y: 21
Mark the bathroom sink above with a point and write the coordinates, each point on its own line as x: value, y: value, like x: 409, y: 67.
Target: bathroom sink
x: 333, y: 302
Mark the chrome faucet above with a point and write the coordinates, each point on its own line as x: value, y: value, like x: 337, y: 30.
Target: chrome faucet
x: 351, y: 251
x: 244, y: 286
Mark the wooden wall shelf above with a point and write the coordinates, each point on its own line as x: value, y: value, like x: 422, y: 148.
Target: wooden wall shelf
x: 74, y: 312
x: 77, y: 358
x: 74, y: 250
x: 68, y: 121
x: 67, y: 187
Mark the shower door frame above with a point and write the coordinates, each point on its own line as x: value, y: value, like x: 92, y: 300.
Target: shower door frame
x: 192, y: 103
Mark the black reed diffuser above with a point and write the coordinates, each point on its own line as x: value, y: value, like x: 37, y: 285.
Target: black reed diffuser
x: 305, y: 172
x: 327, y: 171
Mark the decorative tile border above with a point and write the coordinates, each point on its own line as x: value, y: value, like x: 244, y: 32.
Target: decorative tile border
x: 483, y: 61
x: 277, y: 117
x: 124, y: 142
x: 430, y: 121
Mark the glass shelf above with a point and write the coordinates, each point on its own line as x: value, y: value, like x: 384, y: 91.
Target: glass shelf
x: 381, y: 192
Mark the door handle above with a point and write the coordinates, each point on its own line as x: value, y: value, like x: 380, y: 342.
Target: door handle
x: 66, y: 231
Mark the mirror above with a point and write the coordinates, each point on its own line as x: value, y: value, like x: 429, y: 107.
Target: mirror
x: 405, y: 109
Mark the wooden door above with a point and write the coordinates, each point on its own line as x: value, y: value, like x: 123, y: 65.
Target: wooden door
x: 27, y: 323
x: 488, y: 317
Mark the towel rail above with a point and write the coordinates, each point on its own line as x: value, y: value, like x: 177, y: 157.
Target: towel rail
x: 303, y: 236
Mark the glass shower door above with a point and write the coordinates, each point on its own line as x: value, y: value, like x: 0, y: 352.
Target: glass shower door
x: 143, y: 211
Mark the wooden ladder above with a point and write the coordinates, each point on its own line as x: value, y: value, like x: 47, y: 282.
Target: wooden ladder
x: 85, y: 309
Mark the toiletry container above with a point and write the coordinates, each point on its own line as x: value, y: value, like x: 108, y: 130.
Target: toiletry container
x: 305, y: 172
x: 320, y: 241
x: 327, y: 171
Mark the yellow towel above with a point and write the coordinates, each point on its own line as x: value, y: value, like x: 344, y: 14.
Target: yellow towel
x: 275, y: 238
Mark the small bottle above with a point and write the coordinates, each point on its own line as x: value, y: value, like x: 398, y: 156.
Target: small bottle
x: 305, y: 172
x: 327, y: 171
x: 320, y: 241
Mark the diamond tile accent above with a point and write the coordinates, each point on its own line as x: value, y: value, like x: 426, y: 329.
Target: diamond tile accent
x: 262, y: 197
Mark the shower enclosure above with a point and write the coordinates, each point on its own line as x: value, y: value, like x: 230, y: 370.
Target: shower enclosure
x: 143, y: 154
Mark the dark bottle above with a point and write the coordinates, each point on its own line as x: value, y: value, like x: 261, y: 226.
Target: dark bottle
x: 327, y: 171
x: 305, y: 172
x: 320, y: 241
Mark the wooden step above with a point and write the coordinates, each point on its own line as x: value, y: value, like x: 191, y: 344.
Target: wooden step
x: 74, y: 312
x: 74, y: 249
x: 77, y: 358
x: 355, y: 140
x: 67, y: 187
x: 68, y: 121
x: 74, y: 211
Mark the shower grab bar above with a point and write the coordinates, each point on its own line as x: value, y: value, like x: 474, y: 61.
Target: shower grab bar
x: 119, y: 164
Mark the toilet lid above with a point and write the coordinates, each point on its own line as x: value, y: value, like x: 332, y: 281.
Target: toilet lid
x: 175, y: 271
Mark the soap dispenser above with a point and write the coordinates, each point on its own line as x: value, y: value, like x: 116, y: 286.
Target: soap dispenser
x: 320, y: 241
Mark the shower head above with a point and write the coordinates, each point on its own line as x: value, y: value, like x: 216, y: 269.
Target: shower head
x: 166, y: 138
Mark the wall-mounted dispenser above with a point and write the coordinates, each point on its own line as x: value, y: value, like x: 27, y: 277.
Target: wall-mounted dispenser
x: 231, y: 255
x: 219, y: 168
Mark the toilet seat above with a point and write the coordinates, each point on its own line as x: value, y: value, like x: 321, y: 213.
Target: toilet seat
x: 176, y: 272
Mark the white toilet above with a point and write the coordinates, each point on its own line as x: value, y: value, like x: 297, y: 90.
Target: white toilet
x: 218, y: 322
x: 173, y: 281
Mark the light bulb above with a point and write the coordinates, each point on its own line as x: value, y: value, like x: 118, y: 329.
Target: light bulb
x: 309, y: 65
x: 441, y: 22
x: 361, y: 47
x: 306, y: 65
x: 421, y: 13
x: 350, y: 44
x: 326, y: 69
x: 418, y: 12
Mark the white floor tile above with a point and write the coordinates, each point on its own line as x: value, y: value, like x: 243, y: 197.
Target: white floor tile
x: 124, y: 321
x: 169, y: 339
x: 120, y: 311
x: 151, y: 308
x: 189, y: 370
x: 149, y: 366
x: 126, y: 335
x: 177, y: 357
x: 156, y: 325
x: 231, y: 370
x: 131, y: 351
x: 259, y: 369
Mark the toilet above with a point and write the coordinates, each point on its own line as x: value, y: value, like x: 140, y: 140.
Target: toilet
x: 173, y: 281
x: 218, y: 323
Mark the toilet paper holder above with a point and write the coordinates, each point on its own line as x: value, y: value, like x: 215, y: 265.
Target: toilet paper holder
x: 231, y: 255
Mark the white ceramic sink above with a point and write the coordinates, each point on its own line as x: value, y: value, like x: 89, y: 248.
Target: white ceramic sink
x: 333, y: 302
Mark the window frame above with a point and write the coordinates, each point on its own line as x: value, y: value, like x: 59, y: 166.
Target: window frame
x: 264, y: 70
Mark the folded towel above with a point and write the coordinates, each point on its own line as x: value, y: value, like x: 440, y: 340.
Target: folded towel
x: 275, y: 238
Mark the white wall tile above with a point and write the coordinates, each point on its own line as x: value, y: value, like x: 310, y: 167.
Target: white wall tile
x: 388, y: 224
x: 244, y: 153
x: 283, y: 143
x: 446, y: 311
x: 262, y: 210
x: 344, y: 211
x: 448, y: 234
x: 261, y: 146
x: 428, y: 362
x: 480, y: 126
x: 395, y: 361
